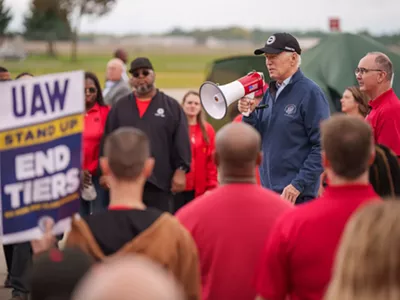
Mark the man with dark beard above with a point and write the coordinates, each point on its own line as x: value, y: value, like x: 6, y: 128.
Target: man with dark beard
x: 164, y: 122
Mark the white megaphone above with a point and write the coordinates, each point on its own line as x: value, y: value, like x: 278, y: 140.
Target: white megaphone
x: 216, y: 99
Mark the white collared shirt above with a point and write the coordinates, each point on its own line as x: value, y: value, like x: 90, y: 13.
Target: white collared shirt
x: 280, y: 87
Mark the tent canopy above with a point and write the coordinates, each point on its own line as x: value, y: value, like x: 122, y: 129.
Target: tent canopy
x: 332, y: 62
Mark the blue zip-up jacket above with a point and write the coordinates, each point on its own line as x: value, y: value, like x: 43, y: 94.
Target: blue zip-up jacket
x: 290, y: 131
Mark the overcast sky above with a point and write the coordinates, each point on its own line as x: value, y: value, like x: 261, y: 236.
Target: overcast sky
x: 138, y: 16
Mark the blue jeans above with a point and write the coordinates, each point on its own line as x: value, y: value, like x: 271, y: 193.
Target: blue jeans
x: 100, y: 204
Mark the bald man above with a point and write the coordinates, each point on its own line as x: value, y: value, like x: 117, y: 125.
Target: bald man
x: 116, y: 87
x: 231, y: 223
x: 128, y: 278
x: 375, y: 75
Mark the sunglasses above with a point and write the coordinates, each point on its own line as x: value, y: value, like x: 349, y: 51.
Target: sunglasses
x: 90, y: 90
x: 145, y: 73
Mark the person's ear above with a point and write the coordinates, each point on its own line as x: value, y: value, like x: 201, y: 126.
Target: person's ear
x: 148, y: 167
x: 216, y: 158
x: 372, y: 154
x: 104, y: 166
x: 259, y: 158
x: 325, y: 162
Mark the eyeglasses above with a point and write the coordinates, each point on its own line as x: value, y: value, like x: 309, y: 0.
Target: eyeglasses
x: 363, y: 71
x: 90, y: 90
x: 145, y: 73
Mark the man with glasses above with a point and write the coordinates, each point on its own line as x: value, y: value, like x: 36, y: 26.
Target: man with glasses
x: 164, y: 122
x: 375, y: 76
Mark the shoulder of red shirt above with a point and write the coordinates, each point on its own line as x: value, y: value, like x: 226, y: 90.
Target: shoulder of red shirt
x: 389, y: 96
x: 238, y: 118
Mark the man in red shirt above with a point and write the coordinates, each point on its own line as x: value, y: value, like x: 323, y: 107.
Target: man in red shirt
x: 230, y: 223
x: 375, y: 76
x: 298, y: 256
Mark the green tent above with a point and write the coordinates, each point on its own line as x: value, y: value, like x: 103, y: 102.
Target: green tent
x: 225, y: 70
x: 332, y: 62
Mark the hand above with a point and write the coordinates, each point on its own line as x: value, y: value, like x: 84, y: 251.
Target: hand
x: 86, y: 178
x: 246, y: 105
x: 290, y: 193
x: 178, y: 181
x: 104, y: 182
x: 47, y: 241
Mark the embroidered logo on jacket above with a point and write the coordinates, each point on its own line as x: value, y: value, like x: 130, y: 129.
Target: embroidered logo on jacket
x: 160, y: 113
x: 290, y: 110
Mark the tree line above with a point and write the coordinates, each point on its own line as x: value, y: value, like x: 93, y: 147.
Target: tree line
x: 259, y: 35
x: 55, y: 20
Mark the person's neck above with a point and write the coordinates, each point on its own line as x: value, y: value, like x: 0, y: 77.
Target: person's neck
x: 335, y: 180
x: 288, y: 75
x: 379, y: 91
x: 147, y: 96
x: 227, y: 177
x: 127, y: 194
x: 192, y: 120
x: 355, y: 113
x: 89, y: 106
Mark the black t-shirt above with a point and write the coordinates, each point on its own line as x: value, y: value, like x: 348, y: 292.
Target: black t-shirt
x: 114, y: 228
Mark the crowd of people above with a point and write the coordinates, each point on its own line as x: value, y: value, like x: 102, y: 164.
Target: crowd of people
x: 287, y: 202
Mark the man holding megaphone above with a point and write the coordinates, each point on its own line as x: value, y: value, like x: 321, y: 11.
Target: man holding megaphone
x: 293, y: 107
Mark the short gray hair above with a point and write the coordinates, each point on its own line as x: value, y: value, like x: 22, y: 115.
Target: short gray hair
x: 384, y: 63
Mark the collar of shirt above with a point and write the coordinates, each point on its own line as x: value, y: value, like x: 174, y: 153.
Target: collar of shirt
x: 381, y: 99
x: 284, y: 83
x: 95, y: 108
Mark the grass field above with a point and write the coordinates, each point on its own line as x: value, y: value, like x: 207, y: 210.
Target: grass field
x: 173, y: 70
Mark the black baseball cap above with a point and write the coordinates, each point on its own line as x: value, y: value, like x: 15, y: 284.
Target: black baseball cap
x: 278, y: 43
x: 140, y: 63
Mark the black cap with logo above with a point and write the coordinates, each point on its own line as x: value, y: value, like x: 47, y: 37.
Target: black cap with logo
x: 140, y: 63
x: 280, y: 42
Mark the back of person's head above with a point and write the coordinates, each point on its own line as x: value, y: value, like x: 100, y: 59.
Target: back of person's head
x: 24, y: 75
x: 4, y: 74
x: 384, y: 173
x: 55, y: 274
x: 128, y: 278
x: 347, y: 146
x: 127, y: 155
x: 237, y: 147
x: 367, y: 265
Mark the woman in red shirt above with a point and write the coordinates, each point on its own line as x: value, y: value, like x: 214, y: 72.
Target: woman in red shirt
x: 203, y: 171
x: 95, y: 119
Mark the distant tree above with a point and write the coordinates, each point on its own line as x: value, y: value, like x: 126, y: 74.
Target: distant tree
x: 77, y: 9
x: 5, y: 18
x: 47, y: 21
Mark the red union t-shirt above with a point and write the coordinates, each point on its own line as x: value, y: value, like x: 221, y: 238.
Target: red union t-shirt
x: 142, y: 106
x: 229, y: 225
x: 385, y: 120
x: 298, y: 257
